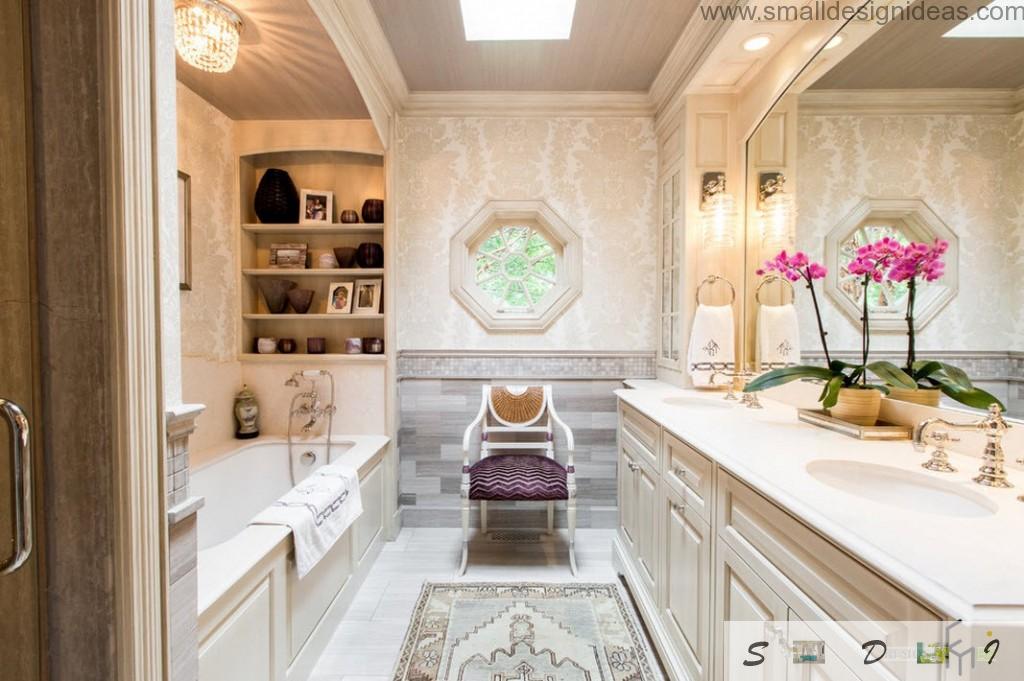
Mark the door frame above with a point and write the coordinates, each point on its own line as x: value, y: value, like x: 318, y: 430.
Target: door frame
x: 127, y: 32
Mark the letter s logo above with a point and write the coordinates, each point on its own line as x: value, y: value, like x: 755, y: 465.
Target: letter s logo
x: 759, y: 656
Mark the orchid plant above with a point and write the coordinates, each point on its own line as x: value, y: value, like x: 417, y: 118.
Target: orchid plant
x: 923, y: 262
x: 836, y: 374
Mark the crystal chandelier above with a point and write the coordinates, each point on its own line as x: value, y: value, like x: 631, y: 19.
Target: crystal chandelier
x: 206, y: 34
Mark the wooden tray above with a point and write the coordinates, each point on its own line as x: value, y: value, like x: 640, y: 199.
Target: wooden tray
x: 880, y: 431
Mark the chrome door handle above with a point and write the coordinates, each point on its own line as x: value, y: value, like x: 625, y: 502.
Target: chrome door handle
x: 21, y: 475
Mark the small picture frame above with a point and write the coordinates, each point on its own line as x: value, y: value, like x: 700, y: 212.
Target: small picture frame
x: 316, y: 206
x: 339, y: 297
x: 288, y: 256
x: 367, y: 296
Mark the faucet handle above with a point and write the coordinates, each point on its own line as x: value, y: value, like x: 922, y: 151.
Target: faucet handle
x: 939, y: 460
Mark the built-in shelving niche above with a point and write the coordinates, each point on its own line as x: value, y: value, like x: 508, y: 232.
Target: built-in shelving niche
x: 353, y: 177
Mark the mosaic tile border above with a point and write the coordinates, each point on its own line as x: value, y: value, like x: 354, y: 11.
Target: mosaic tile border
x: 980, y: 366
x: 432, y: 364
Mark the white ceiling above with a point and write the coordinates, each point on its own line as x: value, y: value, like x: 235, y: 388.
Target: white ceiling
x: 616, y: 45
x: 287, y: 68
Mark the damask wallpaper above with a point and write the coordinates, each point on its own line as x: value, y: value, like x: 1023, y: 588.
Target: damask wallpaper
x: 210, y: 372
x: 598, y: 174
x: 967, y: 168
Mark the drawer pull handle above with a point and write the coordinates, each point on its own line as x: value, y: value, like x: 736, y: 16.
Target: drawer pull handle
x: 679, y: 472
x: 633, y: 466
x: 678, y: 508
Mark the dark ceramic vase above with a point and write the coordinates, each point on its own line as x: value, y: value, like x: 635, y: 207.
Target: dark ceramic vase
x: 370, y: 255
x: 286, y: 346
x: 349, y: 217
x: 346, y: 256
x: 276, y: 200
x: 373, y: 210
x: 316, y: 345
x: 275, y: 292
x: 300, y: 298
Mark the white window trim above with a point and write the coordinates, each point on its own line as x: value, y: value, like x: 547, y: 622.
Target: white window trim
x: 923, y: 225
x: 568, y: 253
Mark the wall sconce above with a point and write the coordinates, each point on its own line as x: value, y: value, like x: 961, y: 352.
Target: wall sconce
x: 776, y: 212
x: 717, y: 212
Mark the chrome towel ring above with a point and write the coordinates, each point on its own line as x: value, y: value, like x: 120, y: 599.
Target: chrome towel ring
x: 713, y: 279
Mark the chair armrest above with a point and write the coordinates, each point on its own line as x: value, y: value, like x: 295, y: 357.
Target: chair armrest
x: 570, y: 442
x: 472, y: 426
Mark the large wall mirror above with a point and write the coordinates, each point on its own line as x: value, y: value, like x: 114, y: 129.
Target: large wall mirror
x: 908, y: 134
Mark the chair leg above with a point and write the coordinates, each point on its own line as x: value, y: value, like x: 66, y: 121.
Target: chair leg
x: 571, y: 513
x: 551, y: 517
x: 483, y: 517
x: 465, y: 535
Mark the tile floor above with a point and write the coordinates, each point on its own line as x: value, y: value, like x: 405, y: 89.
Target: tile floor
x: 366, y: 644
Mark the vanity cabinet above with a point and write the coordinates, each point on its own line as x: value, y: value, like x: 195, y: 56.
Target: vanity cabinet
x: 709, y: 560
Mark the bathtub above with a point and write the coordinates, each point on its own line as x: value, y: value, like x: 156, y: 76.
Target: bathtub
x: 257, y: 620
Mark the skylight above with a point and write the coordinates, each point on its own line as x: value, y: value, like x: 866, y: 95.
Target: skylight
x: 518, y: 19
x: 998, y: 19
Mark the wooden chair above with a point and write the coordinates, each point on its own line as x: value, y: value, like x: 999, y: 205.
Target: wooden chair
x: 517, y: 458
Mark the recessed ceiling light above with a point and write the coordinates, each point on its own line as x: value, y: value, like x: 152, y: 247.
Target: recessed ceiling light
x: 517, y: 19
x: 998, y: 19
x: 836, y: 41
x: 757, y: 42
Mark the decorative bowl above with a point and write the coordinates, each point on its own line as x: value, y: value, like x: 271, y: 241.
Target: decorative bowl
x: 373, y: 210
x: 286, y: 346
x: 349, y: 216
x: 346, y: 256
x: 370, y: 255
x: 301, y: 299
x: 275, y: 292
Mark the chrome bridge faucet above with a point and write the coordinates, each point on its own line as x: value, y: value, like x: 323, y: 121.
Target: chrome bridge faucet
x: 993, y: 426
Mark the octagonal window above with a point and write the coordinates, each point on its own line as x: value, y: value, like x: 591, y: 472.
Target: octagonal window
x: 905, y: 220
x: 515, y: 265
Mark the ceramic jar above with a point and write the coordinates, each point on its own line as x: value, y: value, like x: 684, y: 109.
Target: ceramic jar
x: 857, y: 405
x: 928, y: 397
x: 316, y: 345
x: 353, y: 346
x: 370, y: 255
x: 327, y: 261
x: 373, y: 210
x: 349, y: 217
x: 266, y: 346
x: 373, y: 346
x: 276, y: 199
x: 247, y: 413
x: 286, y: 346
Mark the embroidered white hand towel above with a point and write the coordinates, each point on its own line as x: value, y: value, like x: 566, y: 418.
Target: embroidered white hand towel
x: 318, y: 510
x: 712, y: 343
x: 778, y: 336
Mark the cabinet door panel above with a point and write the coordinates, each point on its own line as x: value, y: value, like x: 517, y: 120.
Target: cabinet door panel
x: 686, y: 583
x: 646, y: 524
x: 627, y: 500
x: 747, y: 612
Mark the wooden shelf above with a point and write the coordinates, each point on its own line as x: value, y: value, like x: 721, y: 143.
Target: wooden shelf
x: 311, y: 316
x: 305, y: 358
x: 353, y: 272
x: 300, y: 229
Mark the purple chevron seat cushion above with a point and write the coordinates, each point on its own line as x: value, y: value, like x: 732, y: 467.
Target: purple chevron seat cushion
x: 517, y: 477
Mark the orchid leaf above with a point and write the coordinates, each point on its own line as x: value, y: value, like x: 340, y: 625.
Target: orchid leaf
x: 925, y: 368
x: 778, y: 377
x: 892, y: 375
x: 830, y: 395
x: 958, y: 376
x: 975, y: 397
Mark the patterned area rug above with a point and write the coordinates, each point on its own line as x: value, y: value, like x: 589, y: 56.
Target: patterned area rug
x: 525, y: 632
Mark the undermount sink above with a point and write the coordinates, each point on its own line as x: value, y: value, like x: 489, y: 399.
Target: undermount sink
x: 902, y: 488
x: 697, y: 402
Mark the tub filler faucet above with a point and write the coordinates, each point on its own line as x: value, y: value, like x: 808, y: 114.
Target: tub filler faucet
x: 311, y: 409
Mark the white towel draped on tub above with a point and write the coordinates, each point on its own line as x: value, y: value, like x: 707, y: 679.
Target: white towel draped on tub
x: 318, y: 510
x: 778, y: 336
x: 712, y: 343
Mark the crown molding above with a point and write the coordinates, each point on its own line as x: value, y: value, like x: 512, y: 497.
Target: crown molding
x: 509, y: 103
x: 691, y: 49
x: 908, y: 102
x: 356, y: 32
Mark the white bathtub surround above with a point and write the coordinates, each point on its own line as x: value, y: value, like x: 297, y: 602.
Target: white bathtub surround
x: 318, y: 510
x: 257, y: 619
x: 778, y: 335
x: 712, y: 342
x: 942, y: 538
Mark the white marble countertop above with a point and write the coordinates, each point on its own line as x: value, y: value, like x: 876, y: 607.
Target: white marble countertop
x: 967, y: 567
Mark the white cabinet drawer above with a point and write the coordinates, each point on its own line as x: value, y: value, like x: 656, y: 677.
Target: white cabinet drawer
x: 645, y: 431
x: 689, y: 473
x: 817, y: 579
x: 638, y: 448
